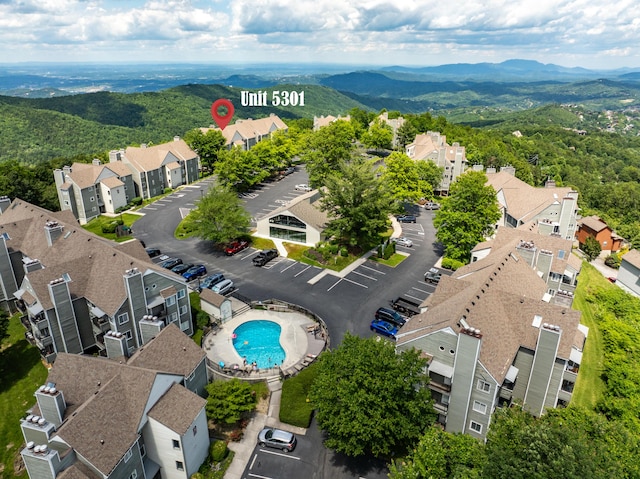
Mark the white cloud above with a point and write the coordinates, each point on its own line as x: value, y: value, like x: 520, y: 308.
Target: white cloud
x: 365, y: 31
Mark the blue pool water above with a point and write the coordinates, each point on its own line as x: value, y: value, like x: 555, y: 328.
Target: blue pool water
x: 259, y: 341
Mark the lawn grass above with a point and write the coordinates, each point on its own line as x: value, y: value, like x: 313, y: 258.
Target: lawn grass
x: 394, y: 260
x: 589, y: 387
x: 295, y: 408
x: 95, y: 225
x: 295, y: 251
x: 22, y: 372
x: 262, y: 243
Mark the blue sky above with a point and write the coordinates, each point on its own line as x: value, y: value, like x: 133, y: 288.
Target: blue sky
x: 587, y: 33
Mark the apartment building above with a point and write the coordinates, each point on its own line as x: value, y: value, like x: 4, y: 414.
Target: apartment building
x: 72, y: 287
x: 555, y: 209
x: 89, y: 190
x: 98, y: 418
x: 155, y: 168
x: 492, y: 338
x: 548, y: 255
x: 432, y: 146
x: 247, y: 133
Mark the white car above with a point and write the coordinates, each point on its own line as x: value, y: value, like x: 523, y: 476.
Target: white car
x: 402, y: 241
x: 303, y: 187
x: 223, y: 287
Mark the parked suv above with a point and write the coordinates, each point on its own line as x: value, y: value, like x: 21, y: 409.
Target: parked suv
x: 264, y: 256
x: 277, y: 438
x: 195, y: 272
x: 407, y: 219
x: 212, y: 280
x: 432, y: 276
x: 171, y: 262
x: 390, y: 316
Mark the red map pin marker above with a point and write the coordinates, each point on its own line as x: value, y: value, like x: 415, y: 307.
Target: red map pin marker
x: 222, y: 120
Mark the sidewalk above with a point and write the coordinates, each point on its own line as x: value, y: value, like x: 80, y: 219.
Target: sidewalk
x: 244, y: 448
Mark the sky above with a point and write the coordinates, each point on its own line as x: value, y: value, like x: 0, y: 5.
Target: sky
x: 594, y: 34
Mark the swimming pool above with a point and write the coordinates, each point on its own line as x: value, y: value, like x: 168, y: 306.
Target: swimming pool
x: 259, y: 341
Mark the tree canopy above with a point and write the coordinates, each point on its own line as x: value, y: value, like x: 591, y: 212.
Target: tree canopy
x: 378, y: 136
x: 370, y: 400
x: 467, y: 215
x: 4, y: 325
x: 409, y: 180
x: 228, y: 400
x: 219, y: 216
x: 357, y: 203
x: 207, y: 145
x: 591, y: 248
x: 327, y: 149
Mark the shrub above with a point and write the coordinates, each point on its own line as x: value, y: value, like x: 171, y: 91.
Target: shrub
x: 202, y: 319
x: 218, y: 450
x: 344, y: 252
x: 109, y: 228
x: 452, y: 264
x: 613, y: 261
x: 137, y: 201
x: 167, y: 191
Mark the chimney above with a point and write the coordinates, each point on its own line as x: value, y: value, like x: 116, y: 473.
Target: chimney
x: 53, y: 231
x: 116, y: 345
x: 176, y: 138
x: 51, y: 403
x: 5, y: 202
x: 550, y: 183
x: 115, y: 155
x: 96, y: 162
x: 67, y: 169
x: 143, y: 145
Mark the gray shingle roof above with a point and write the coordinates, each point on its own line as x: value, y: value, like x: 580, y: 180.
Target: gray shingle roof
x: 177, y: 409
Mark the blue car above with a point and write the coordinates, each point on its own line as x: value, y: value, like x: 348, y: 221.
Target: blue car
x: 194, y: 272
x: 384, y: 328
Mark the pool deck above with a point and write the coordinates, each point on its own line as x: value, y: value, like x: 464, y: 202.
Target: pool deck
x: 295, y: 338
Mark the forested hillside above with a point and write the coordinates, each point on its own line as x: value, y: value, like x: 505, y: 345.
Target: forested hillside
x: 40, y: 129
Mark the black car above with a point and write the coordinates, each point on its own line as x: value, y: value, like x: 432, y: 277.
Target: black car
x: 390, y: 316
x: 407, y: 219
x: 171, y: 262
x: 264, y: 256
x: 181, y: 268
x: 153, y: 252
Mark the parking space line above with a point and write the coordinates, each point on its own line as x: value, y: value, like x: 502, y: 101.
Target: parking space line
x: 279, y: 454
x: 296, y: 275
x: 290, y: 266
x: 354, y: 282
x: 421, y: 290
x: 255, y: 456
x: 259, y: 477
x: 334, y: 284
x: 370, y: 277
x: 372, y: 269
x: 413, y: 297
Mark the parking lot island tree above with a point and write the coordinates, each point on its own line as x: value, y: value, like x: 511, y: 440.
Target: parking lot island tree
x: 467, y: 216
x: 219, y: 216
x: 370, y: 400
x: 357, y: 203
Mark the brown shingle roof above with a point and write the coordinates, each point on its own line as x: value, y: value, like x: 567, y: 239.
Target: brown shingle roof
x: 307, y: 208
x: 95, y: 265
x: 171, y: 351
x: 499, y: 295
x: 153, y: 157
x: 523, y: 201
x: 594, y: 223
x: 212, y: 297
x: 248, y: 129
x: 177, y: 409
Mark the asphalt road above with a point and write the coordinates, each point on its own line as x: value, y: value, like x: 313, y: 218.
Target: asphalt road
x: 346, y: 304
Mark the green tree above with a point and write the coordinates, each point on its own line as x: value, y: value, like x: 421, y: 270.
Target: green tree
x: 400, y: 175
x: 467, y: 215
x: 357, y: 204
x: 441, y: 455
x: 219, y: 216
x: 228, y: 400
x: 406, y: 134
x: 239, y: 170
x: 326, y: 151
x: 591, y: 248
x: 429, y: 176
x: 370, y: 400
x: 207, y: 145
x: 378, y: 136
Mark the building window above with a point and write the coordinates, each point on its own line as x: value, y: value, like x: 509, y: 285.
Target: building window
x: 291, y: 235
x: 123, y: 318
x: 128, y: 335
x: 127, y: 455
x: 179, y: 466
x: 183, y: 310
x: 143, y: 450
x: 483, y: 386
x: 92, y: 199
x: 195, y: 430
x: 552, y: 292
x: 176, y: 444
x: 561, y: 254
x: 184, y: 326
x: 171, y: 300
x: 286, y: 220
x: 475, y: 426
x: 181, y: 294
x: 174, y: 317
x: 480, y: 407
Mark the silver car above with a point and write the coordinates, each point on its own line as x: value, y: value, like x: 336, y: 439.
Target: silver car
x: 402, y: 241
x: 223, y: 287
x: 277, y: 438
